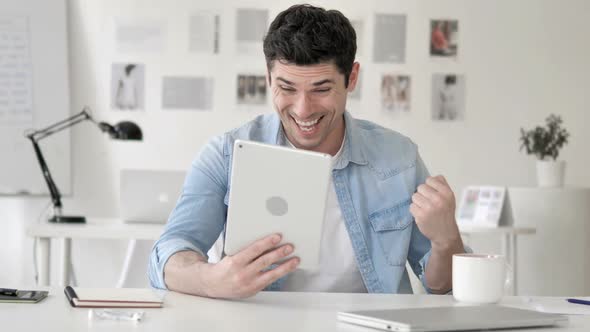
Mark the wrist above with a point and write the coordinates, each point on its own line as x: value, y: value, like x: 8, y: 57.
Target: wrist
x: 448, y: 246
x: 202, y: 284
x: 185, y: 272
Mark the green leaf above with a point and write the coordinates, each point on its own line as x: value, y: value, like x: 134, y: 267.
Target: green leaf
x: 545, y: 141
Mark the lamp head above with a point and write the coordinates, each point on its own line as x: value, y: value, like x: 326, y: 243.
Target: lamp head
x: 125, y: 130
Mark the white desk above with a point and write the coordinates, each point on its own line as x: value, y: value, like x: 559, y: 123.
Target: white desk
x: 267, y: 311
x: 115, y: 229
x: 93, y: 229
x: 509, y: 244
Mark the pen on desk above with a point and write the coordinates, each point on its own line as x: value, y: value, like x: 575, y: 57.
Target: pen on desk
x: 578, y: 301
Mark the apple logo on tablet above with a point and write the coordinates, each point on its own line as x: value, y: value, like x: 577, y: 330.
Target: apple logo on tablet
x: 277, y: 206
x: 163, y: 198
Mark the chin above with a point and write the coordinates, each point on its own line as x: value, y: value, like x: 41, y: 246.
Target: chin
x: 308, y: 144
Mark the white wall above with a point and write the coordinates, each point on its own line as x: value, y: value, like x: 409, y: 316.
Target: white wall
x: 522, y: 60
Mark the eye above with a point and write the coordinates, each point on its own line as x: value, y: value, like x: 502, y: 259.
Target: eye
x: 286, y: 88
x: 322, y: 90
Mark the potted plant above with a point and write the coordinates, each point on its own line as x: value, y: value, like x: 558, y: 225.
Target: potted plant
x: 545, y: 143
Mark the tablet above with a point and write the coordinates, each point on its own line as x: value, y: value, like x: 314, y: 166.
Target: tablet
x: 484, y: 317
x: 277, y: 189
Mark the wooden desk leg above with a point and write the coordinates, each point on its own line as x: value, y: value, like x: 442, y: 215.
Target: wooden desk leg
x: 66, y: 261
x: 43, y: 253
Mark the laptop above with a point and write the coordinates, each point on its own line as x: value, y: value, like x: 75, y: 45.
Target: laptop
x: 451, y: 318
x: 148, y: 196
x: 276, y: 189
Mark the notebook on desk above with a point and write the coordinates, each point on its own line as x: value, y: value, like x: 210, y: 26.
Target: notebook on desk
x: 148, y: 196
x: 113, y: 297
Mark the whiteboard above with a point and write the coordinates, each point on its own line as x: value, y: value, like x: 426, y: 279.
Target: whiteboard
x: 34, y: 93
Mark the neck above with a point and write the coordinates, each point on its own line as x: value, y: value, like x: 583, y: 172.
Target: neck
x: 334, y: 140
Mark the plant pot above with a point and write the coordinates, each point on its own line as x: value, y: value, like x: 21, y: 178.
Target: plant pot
x: 550, y: 173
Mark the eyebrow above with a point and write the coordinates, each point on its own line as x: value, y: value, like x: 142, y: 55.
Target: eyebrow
x: 323, y: 82
x: 314, y: 84
x: 285, y: 81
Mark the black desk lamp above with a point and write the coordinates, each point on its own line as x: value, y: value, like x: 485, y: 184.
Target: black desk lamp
x: 123, y: 131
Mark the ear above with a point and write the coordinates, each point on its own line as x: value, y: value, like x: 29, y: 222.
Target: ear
x: 353, y: 77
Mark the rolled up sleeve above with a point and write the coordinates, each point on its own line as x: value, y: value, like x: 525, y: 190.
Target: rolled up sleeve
x: 423, y: 262
x: 420, y: 246
x: 199, y: 215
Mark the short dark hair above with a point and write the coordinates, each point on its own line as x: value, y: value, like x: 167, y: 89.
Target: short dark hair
x: 306, y: 35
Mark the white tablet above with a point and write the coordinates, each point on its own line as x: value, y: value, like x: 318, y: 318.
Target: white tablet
x: 277, y: 189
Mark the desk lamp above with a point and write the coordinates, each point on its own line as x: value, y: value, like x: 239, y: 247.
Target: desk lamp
x: 124, y: 130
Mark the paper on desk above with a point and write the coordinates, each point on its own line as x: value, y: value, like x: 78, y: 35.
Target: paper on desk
x: 555, y: 305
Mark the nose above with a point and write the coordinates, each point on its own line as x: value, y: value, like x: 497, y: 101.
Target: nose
x: 302, y: 106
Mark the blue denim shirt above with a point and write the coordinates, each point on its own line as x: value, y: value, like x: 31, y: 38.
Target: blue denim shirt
x: 375, y: 178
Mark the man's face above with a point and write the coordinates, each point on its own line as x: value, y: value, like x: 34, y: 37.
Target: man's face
x: 310, y: 101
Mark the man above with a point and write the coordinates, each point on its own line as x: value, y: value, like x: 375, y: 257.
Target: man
x: 382, y: 210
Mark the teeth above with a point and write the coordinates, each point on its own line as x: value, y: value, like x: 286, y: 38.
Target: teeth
x: 308, y: 123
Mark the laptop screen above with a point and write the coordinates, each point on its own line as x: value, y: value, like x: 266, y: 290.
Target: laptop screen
x: 149, y: 195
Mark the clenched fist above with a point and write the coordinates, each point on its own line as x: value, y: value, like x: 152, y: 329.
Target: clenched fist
x: 433, y: 208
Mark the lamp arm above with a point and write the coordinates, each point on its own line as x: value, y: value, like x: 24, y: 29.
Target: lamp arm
x: 125, y: 130
x: 55, y: 195
x: 60, y: 125
x: 37, y: 135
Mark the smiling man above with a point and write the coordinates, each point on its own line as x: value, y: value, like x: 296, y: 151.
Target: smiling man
x: 383, y: 209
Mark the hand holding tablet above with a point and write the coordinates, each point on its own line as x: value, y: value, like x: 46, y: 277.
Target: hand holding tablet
x: 277, y: 189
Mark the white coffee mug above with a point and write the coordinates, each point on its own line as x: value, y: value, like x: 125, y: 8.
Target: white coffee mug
x: 480, y: 278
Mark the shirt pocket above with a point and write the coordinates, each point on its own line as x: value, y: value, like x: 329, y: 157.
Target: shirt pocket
x: 392, y: 228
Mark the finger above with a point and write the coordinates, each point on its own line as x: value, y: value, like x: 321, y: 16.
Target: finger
x: 442, y: 179
x: 257, y: 248
x: 270, y: 258
x: 428, y: 192
x: 439, y: 185
x: 416, y: 211
x: 268, y: 277
x: 420, y: 201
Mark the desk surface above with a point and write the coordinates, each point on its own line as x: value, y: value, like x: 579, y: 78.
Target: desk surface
x: 267, y: 311
x: 497, y: 230
x: 96, y: 228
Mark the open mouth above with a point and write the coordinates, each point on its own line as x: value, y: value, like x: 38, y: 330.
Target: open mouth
x: 308, y: 126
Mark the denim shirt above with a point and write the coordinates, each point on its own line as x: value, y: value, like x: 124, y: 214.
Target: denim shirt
x: 374, y: 179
